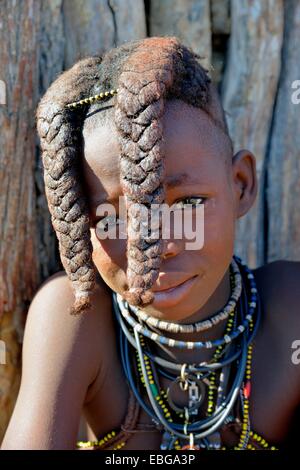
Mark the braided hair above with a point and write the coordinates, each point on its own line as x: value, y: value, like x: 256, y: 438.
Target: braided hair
x: 146, y: 73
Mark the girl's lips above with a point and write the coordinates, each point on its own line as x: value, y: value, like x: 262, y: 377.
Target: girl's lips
x: 174, y: 295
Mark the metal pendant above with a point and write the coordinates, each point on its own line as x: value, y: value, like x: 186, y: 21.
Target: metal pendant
x: 196, y: 394
x: 194, y: 398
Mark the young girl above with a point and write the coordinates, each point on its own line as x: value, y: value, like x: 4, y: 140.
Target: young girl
x: 165, y: 347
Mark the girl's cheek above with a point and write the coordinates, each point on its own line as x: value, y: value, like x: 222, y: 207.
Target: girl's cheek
x: 110, y: 272
x: 113, y: 249
x: 219, y: 218
x: 110, y: 260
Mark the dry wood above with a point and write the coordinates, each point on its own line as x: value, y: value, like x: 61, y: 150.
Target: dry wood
x: 249, y: 90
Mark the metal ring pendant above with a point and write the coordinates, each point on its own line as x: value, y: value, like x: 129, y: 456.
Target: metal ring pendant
x: 191, y: 378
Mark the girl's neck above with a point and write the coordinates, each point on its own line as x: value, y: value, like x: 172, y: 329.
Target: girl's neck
x: 215, y: 303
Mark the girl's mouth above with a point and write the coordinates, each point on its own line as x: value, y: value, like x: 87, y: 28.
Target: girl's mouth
x: 171, y: 297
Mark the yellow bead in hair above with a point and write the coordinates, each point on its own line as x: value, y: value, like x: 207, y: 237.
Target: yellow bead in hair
x: 90, y: 99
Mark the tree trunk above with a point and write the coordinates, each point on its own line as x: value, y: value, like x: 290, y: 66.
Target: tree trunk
x: 95, y: 26
x: 283, y: 163
x: 189, y: 20
x: 19, y: 273
x: 249, y: 89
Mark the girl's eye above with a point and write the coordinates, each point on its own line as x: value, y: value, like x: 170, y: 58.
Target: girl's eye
x: 195, y: 201
x: 110, y: 221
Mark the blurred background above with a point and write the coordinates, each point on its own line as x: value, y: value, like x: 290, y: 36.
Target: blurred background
x: 252, y: 50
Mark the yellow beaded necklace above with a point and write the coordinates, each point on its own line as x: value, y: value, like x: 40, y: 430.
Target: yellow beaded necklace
x: 162, y: 398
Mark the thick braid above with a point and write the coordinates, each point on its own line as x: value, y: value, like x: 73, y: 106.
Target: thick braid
x: 60, y: 136
x: 146, y: 78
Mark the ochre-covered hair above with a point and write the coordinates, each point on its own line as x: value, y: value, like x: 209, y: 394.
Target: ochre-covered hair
x: 146, y: 73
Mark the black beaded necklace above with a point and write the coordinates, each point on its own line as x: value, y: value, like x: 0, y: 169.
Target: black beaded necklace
x: 182, y: 426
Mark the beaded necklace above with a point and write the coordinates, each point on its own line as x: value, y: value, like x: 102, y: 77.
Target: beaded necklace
x: 191, y: 434
x: 186, y: 431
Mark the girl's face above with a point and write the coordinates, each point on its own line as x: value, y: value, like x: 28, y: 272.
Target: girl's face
x: 193, y: 146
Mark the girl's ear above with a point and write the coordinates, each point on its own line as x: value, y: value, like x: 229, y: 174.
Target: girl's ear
x: 244, y: 181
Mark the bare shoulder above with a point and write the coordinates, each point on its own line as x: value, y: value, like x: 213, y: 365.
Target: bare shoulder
x: 61, y: 360
x: 82, y: 333
x: 278, y: 283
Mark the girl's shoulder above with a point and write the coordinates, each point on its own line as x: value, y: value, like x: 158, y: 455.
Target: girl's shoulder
x: 278, y: 284
x: 62, y: 357
x: 81, y: 337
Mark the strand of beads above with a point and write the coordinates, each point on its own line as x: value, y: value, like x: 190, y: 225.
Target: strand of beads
x: 261, y: 441
x: 246, y: 391
x: 246, y: 394
x: 246, y: 431
x: 213, y: 377
x: 254, y: 436
x: 161, y: 395
x: 212, y: 388
x: 110, y: 435
x: 188, y: 429
x: 155, y: 391
x: 227, y: 338
x: 91, y: 99
x: 244, y: 437
x: 175, y: 428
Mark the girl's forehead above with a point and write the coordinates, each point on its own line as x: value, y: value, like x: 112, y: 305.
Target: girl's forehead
x: 192, y: 145
x: 188, y: 133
